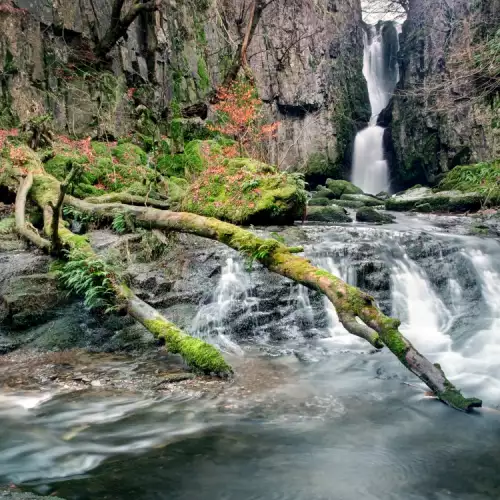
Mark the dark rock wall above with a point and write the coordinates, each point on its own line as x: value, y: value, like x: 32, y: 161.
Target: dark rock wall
x: 306, y: 56
x: 440, y: 117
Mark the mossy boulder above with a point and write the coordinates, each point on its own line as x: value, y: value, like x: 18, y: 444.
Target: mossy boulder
x: 106, y: 167
x: 425, y: 200
x: 330, y: 214
x: 369, y: 201
x: 340, y: 187
x: 322, y: 192
x: 319, y: 202
x: 244, y: 191
x: 349, y: 203
x: 27, y: 300
x: 369, y: 214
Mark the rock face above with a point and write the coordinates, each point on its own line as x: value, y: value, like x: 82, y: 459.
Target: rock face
x: 445, y: 111
x: 306, y: 58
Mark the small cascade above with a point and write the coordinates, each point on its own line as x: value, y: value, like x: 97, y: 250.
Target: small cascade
x: 370, y: 169
x: 230, y: 294
x: 424, y: 317
x: 337, y: 332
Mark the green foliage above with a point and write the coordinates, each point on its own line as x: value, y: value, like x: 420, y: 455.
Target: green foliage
x: 188, y: 163
x: 72, y: 213
x: 119, y: 223
x: 7, y: 225
x: 130, y: 154
x: 91, y: 277
x: 243, y: 190
x: 481, y: 177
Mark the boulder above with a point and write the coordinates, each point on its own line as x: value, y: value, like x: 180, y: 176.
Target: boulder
x: 349, y: 203
x: 340, y: 187
x: 368, y: 214
x: 244, y: 191
x: 423, y: 199
x: 333, y: 213
x: 319, y: 202
x: 369, y: 201
x: 322, y: 192
x: 28, y: 300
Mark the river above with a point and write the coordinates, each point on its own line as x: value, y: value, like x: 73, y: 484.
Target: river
x: 313, y: 412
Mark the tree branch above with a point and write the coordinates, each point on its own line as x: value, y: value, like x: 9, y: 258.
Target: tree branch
x: 20, y: 214
x: 56, y: 210
x: 120, y: 24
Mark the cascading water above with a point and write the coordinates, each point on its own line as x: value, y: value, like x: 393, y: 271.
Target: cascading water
x: 370, y: 169
x: 231, y: 292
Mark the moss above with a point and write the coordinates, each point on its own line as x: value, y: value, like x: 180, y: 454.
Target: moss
x: 189, y: 163
x: 453, y: 397
x: 319, y: 202
x: 59, y: 165
x: 243, y: 190
x: 198, y: 354
x: 323, y: 192
x: 330, y: 214
x: 340, y: 187
x: 320, y: 167
x: 204, y: 78
x: 7, y: 225
x: 130, y: 154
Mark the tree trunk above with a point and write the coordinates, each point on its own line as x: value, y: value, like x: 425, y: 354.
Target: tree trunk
x: 46, y: 192
x: 351, y: 303
x: 119, y: 24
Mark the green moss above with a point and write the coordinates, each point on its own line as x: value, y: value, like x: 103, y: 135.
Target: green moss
x: 340, y: 187
x: 319, y: 202
x: 204, y: 78
x: 189, y: 163
x: 245, y: 191
x: 330, y: 214
x: 198, y: 354
x: 453, y: 397
x: 7, y: 225
x: 130, y: 154
x: 319, y: 167
x: 59, y: 165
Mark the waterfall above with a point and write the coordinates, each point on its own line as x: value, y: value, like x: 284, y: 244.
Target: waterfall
x: 230, y: 294
x: 380, y: 69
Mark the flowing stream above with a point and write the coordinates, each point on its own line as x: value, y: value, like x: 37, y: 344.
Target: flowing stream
x: 313, y: 413
x: 370, y: 169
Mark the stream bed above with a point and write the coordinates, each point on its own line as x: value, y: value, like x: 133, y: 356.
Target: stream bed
x: 313, y: 413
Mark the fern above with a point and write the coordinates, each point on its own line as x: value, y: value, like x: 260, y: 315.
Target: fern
x: 90, y: 277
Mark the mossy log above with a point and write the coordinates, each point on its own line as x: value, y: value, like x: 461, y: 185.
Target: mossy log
x: 351, y: 304
x: 45, y: 191
x: 129, y: 199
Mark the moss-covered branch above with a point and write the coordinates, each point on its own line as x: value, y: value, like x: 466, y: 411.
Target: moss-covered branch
x: 46, y: 191
x: 22, y: 229
x: 352, y: 304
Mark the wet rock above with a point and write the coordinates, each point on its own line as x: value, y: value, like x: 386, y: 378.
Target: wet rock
x: 340, y: 187
x: 28, y: 300
x: 332, y: 213
x: 322, y: 192
x: 18, y: 495
x: 319, y: 202
x: 349, y: 203
x: 368, y: 214
x: 424, y: 200
x: 383, y: 195
x: 369, y: 201
x: 78, y: 227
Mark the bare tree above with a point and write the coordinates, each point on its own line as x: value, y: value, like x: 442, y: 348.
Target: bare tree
x: 240, y: 59
x: 374, y: 10
x: 121, y: 20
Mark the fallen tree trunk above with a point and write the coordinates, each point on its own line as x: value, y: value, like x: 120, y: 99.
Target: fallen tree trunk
x: 46, y: 192
x: 356, y: 309
x: 350, y: 302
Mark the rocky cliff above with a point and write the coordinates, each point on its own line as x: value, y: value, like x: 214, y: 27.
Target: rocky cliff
x: 306, y: 57
x: 446, y: 109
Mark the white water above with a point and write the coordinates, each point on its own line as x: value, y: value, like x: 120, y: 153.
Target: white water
x: 370, y: 169
x: 233, y: 286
